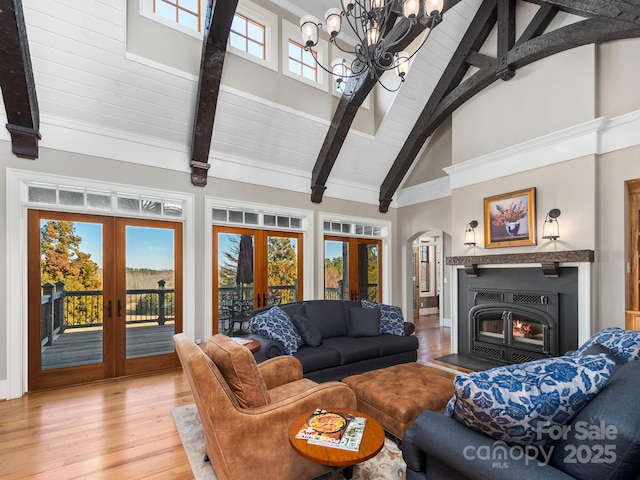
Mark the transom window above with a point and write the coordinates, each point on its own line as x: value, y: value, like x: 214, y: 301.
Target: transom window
x: 248, y: 35
x: 183, y: 12
x: 301, y: 61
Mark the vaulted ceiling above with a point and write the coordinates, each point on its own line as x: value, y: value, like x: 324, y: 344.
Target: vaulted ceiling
x: 228, y: 135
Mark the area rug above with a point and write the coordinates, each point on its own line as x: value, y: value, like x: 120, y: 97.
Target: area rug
x: 387, y: 465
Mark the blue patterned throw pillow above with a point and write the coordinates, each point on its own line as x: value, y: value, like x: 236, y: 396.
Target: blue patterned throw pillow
x: 524, y: 404
x: 276, y: 325
x: 624, y: 344
x: 391, y: 319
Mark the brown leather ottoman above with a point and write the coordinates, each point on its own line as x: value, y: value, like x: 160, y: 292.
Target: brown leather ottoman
x: 396, y: 395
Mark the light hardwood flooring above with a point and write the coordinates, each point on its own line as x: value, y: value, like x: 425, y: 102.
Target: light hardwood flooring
x: 120, y: 429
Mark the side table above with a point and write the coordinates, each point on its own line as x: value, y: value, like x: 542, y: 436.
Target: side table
x: 335, y: 458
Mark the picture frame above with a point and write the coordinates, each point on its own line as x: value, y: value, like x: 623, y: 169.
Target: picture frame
x: 509, y: 219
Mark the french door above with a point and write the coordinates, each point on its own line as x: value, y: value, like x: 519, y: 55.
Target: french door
x: 352, y: 268
x: 105, y: 297
x: 253, y: 269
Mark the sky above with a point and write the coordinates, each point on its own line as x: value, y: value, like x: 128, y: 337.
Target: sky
x: 146, y: 247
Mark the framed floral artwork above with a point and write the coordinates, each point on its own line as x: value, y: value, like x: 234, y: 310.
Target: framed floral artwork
x: 509, y: 219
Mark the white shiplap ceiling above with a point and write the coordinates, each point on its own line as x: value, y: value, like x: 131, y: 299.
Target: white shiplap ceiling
x: 85, y: 80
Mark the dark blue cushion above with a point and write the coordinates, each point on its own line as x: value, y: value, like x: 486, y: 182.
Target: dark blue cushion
x: 317, y: 358
x: 604, y: 439
x: 328, y: 315
x: 364, y: 322
x: 352, y: 349
x: 307, y: 330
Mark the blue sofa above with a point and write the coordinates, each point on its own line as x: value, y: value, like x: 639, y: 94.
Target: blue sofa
x: 339, y: 354
x: 601, y: 442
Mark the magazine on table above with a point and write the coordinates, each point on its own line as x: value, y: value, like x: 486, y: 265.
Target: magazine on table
x: 333, y: 429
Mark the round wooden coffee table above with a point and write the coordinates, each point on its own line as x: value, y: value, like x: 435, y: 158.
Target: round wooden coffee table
x: 335, y: 458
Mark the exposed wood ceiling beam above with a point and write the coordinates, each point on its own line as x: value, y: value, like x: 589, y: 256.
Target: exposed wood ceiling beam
x: 451, y: 92
x: 219, y: 18
x: 622, y: 10
x: 348, y: 108
x: 16, y: 79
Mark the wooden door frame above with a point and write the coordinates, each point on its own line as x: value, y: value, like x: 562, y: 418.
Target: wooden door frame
x: 260, y: 283
x: 112, y: 365
x: 134, y: 366
x: 352, y: 274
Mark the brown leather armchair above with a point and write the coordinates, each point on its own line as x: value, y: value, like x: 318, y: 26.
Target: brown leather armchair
x: 247, y: 408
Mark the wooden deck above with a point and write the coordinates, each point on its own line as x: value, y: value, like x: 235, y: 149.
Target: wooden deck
x: 82, y: 347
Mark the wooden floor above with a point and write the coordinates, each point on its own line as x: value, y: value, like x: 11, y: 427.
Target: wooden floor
x: 118, y: 429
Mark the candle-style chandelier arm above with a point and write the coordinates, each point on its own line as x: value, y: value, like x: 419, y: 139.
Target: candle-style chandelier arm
x: 382, y: 29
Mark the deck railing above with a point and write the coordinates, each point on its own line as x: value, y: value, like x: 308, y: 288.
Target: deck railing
x: 63, y: 309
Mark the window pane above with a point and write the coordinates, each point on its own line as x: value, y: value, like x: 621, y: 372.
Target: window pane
x: 99, y: 200
x: 256, y: 50
x: 236, y: 217
x: 283, y: 222
x: 251, y: 218
x: 166, y: 10
x: 307, y: 57
x: 296, y: 223
x: 42, y: 195
x: 270, y: 220
x: 188, y: 20
x: 128, y: 204
x: 190, y: 5
x: 153, y: 207
x: 172, y: 209
x: 219, y: 215
x: 294, y: 66
x: 295, y: 51
x: 255, y: 32
x: 71, y: 198
x: 309, y: 73
x: 239, y: 24
x: 237, y: 41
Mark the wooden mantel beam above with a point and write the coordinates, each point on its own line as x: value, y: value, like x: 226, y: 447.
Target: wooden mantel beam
x: 218, y: 25
x: 16, y: 79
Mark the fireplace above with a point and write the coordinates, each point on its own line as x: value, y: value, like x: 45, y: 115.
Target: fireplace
x: 513, y: 326
x: 513, y: 315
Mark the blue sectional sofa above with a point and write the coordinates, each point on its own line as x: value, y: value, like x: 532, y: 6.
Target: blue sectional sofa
x: 602, y: 441
x: 348, y: 345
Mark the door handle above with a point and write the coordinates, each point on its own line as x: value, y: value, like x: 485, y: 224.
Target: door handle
x: 264, y: 299
x: 109, y: 309
x: 259, y: 306
x: 119, y: 308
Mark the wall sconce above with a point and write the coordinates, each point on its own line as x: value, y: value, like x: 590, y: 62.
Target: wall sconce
x: 470, y: 233
x: 551, y: 228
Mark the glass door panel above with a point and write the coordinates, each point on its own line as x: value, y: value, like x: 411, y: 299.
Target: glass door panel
x: 368, y: 270
x: 352, y: 268
x: 235, y: 280
x: 149, y: 306
x: 282, y: 269
x: 71, y: 299
x: 336, y: 268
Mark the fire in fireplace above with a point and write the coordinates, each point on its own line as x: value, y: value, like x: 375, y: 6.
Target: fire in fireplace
x: 513, y: 326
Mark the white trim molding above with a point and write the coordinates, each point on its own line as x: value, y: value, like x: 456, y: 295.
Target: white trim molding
x: 424, y: 192
x: 594, y: 137
x: 574, y: 142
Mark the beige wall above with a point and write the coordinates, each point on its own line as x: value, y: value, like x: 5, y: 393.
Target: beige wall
x: 614, y: 169
x: 549, y: 95
x: 569, y: 186
x: 619, y: 74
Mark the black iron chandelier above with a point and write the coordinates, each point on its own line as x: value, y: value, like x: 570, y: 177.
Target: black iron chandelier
x: 379, y: 26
